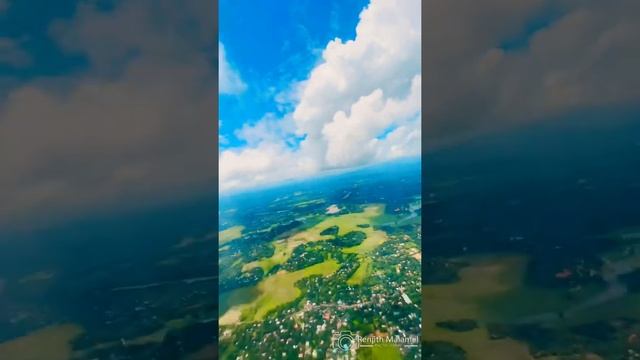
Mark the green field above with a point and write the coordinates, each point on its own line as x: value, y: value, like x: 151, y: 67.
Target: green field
x: 485, y: 279
x: 361, y: 273
x: 374, y: 239
x: 386, y: 352
x: 229, y: 234
x: 281, y: 253
x: 491, y: 289
x: 346, y: 223
x: 276, y: 290
x: 53, y: 343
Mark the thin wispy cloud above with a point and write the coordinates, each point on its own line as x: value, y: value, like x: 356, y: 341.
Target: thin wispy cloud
x: 229, y: 80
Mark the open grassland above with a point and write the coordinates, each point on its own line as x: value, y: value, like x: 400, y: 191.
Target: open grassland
x: 386, y: 352
x: 281, y: 253
x: 158, y: 336
x: 361, y: 272
x: 374, y: 239
x: 279, y: 288
x: 230, y: 234
x: 51, y: 343
x: 482, y: 280
x: 491, y: 289
x: 206, y: 353
x: 346, y: 223
x: 155, y: 337
x: 234, y: 297
x: 276, y: 290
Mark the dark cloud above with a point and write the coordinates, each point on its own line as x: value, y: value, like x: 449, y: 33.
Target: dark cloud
x: 584, y: 54
x: 138, y: 124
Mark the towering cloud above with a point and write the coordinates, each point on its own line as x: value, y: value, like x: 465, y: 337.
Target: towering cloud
x: 359, y: 105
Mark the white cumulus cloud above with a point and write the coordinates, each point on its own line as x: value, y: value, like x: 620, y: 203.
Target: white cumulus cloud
x: 359, y: 105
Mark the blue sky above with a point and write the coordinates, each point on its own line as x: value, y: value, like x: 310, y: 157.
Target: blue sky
x: 272, y: 46
x: 311, y: 86
x: 77, y: 87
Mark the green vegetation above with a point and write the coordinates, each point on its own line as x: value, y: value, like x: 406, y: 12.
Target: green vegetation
x: 361, y: 273
x: 281, y: 230
x: 461, y: 325
x: 333, y: 230
x: 493, y: 291
x: 52, y: 343
x: 305, y: 255
x: 353, y: 238
x: 345, y: 224
x: 483, y: 279
x: 313, y: 278
x: 390, y: 352
x: 238, y: 296
x: 441, y: 271
x: 307, y: 203
x: 440, y: 350
x: 276, y: 290
x: 374, y: 239
x: 159, y: 335
x: 281, y: 253
x: 230, y: 234
x: 625, y: 235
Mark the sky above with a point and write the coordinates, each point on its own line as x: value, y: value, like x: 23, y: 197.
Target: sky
x: 312, y: 86
x: 109, y: 102
x: 272, y: 46
x: 505, y: 64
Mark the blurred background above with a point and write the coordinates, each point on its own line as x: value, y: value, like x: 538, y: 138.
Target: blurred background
x: 108, y: 186
x: 530, y: 179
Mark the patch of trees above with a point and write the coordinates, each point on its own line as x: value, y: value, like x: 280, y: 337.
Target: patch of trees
x: 260, y: 251
x: 441, y: 271
x: 303, y: 256
x: 460, y: 325
x: 333, y: 230
x: 350, y: 239
x: 597, y: 330
x: 632, y: 280
x: 543, y: 341
x: 281, y: 229
x: 243, y: 279
x: 442, y: 350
